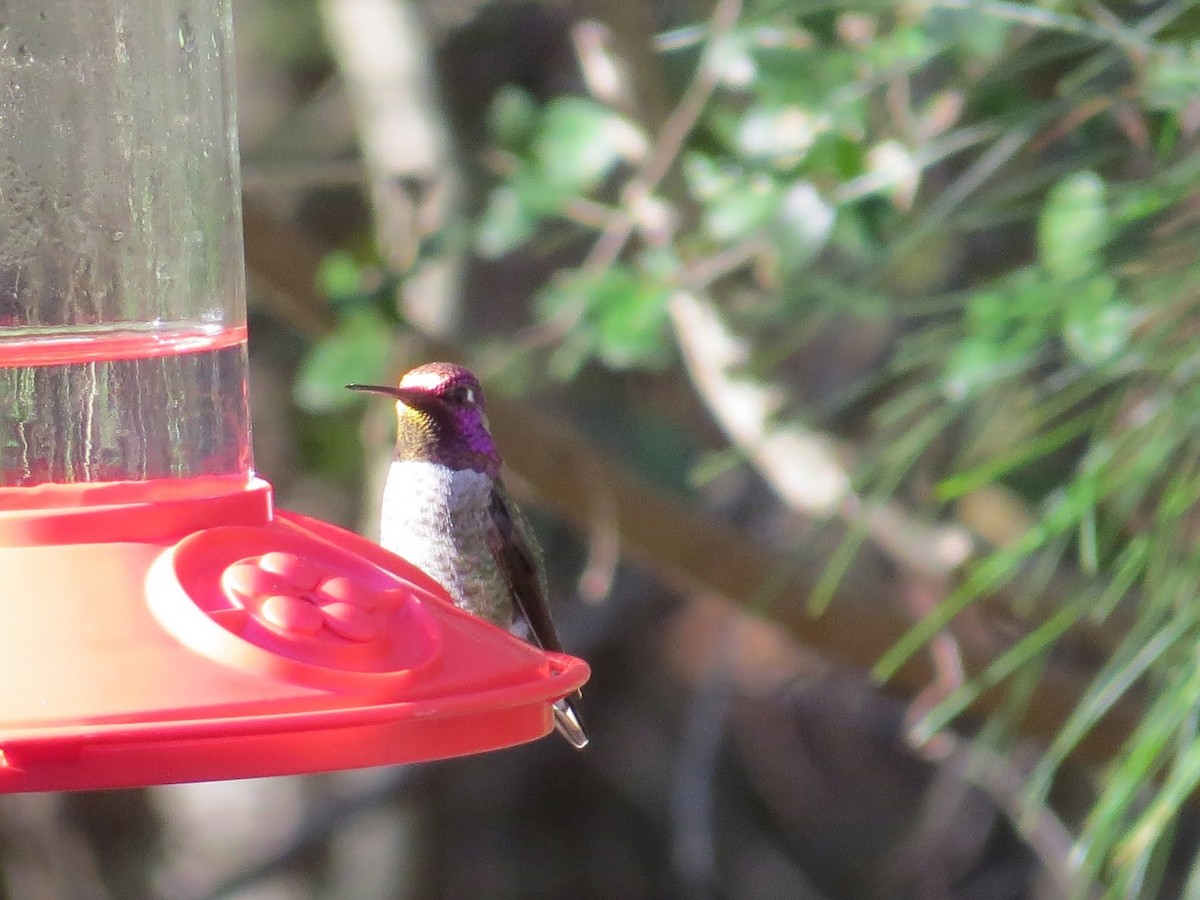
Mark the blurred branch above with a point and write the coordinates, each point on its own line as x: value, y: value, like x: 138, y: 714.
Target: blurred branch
x: 1005, y: 782
x: 803, y: 466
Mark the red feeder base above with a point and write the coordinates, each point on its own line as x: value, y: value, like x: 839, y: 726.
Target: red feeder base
x: 210, y: 638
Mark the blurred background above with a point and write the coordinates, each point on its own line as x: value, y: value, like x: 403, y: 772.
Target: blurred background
x: 845, y: 358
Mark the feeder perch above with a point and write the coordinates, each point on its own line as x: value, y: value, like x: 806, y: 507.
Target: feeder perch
x: 160, y: 621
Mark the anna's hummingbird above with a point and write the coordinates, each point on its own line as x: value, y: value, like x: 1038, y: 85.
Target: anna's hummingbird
x: 446, y: 511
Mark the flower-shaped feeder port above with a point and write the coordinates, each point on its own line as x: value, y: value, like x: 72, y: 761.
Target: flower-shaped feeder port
x: 295, y: 597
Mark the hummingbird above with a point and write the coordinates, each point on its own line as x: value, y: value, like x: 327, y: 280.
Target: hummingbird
x: 446, y: 510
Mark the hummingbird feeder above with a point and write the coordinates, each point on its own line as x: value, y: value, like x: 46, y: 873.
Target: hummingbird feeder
x: 160, y: 621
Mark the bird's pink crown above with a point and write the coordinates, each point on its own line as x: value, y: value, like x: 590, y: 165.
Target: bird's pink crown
x: 439, y: 378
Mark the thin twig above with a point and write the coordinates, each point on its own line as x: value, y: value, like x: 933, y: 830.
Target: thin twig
x: 603, y: 541
x: 671, y: 137
x: 1042, y: 831
x: 703, y: 272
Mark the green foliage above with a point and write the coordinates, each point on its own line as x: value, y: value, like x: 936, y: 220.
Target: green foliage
x: 578, y: 142
x: 614, y: 316
x: 1171, y: 79
x: 1073, y: 227
x: 358, y: 348
x: 356, y: 351
x: 512, y: 117
x: 557, y: 154
x: 1066, y: 297
x: 508, y: 222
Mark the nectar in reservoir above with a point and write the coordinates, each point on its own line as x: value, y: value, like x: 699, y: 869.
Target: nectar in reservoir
x: 123, y: 404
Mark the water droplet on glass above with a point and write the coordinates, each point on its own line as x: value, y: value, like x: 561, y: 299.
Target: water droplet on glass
x: 187, y: 37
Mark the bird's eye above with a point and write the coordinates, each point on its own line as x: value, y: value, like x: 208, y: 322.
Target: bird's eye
x: 463, y: 395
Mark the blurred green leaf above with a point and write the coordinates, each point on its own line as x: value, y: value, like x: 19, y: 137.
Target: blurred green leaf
x: 780, y: 135
x: 512, y: 117
x: 706, y: 178
x: 1171, y: 77
x: 506, y: 223
x: 894, y: 170
x: 732, y: 61
x: 616, y: 315
x: 570, y: 356
x: 1096, y: 325
x: 630, y: 323
x: 737, y: 213
x: 1073, y: 227
x: 561, y: 300
x: 358, y: 350
x: 1006, y: 329
x: 339, y: 275
x: 659, y: 263
x: 579, y: 142
x: 903, y: 48
x: 974, y: 365
x: 977, y: 39
x: 803, y: 225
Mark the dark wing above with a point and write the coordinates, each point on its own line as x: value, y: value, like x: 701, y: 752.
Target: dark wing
x: 514, y: 549
x: 518, y: 556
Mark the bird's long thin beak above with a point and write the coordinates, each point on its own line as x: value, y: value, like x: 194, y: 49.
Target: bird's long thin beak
x: 407, y: 397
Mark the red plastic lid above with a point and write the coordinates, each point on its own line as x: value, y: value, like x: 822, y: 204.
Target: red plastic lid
x: 244, y: 643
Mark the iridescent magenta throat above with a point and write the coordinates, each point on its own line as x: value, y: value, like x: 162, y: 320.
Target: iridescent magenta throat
x: 455, y: 440
x: 472, y: 434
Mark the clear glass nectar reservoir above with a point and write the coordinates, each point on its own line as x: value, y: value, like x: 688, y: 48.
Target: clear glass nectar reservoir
x: 122, y: 317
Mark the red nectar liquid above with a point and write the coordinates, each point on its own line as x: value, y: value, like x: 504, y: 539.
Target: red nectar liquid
x: 88, y: 407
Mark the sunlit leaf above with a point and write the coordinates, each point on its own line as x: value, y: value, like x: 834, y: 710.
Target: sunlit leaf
x: 738, y: 213
x: 339, y: 275
x: 356, y: 351
x: 1073, y: 227
x: 780, y: 135
x: 1171, y: 77
x: 631, y: 324
x: 803, y: 225
x: 732, y: 61
x: 618, y: 315
x: 506, y: 223
x: 1097, y: 326
x: 895, y: 172
x: 706, y: 178
x: 579, y: 142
